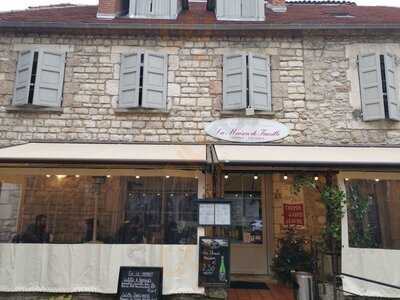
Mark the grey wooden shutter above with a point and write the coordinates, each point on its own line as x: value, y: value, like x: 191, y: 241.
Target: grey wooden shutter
x: 143, y: 7
x: 129, y: 80
x: 155, y: 80
x: 23, y: 77
x: 49, y: 79
x: 162, y: 7
x: 371, y: 87
x: 260, y: 82
x: 232, y: 9
x: 392, y: 87
x: 133, y: 11
x: 235, y: 82
x: 250, y: 8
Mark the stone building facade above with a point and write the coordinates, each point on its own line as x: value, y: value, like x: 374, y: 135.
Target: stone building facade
x: 310, y: 89
x: 314, y: 86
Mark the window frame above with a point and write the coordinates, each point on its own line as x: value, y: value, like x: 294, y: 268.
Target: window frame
x: 249, y: 81
x: 142, y: 53
x: 30, y: 105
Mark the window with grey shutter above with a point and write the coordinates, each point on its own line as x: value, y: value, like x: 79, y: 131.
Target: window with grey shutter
x: 235, y: 82
x: 155, y: 81
x: 49, y: 79
x: 253, y: 10
x: 260, y: 83
x: 23, y: 78
x: 373, y: 107
x: 129, y: 80
x: 392, y: 91
x: 164, y: 9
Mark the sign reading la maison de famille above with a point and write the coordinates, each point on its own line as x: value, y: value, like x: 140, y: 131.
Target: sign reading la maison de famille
x: 247, y: 130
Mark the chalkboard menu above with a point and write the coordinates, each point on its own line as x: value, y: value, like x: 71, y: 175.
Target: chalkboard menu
x: 214, y: 264
x: 140, y: 283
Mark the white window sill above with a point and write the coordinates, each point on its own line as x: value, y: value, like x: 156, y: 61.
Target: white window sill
x: 243, y: 112
x: 141, y: 111
x: 34, y: 108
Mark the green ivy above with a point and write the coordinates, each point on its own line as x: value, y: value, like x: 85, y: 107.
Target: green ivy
x: 334, y: 199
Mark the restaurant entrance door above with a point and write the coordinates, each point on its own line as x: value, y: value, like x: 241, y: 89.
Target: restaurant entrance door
x: 248, y: 234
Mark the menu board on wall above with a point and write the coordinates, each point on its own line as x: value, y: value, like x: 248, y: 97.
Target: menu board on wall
x: 293, y: 214
x: 215, y: 213
x: 140, y: 283
x: 214, y: 262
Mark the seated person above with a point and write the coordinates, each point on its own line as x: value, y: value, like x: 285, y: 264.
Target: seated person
x: 37, y: 232
x: 171, y: 232
x: 131, y: 232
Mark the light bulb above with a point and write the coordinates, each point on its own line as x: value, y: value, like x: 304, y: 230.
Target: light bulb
x: 226, y: 176
x: 285, y: 177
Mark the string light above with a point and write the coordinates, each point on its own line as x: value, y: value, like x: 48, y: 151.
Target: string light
x: 108, y: 176
x: 346, y: 179
x: 61, y: 176
x: 48, y: 175
x: 285, y: 177
x: 226, y: 176
x: 137, y: 177
x: 255, y: 177
x: 377, y: 179
x: 316, y: 178
x: 167, y: 176
x: 77, y: 176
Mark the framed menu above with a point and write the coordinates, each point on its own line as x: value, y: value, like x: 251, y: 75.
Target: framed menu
x: 215, y: 213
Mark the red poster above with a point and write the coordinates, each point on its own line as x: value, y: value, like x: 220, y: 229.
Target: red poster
x: 293, y: 214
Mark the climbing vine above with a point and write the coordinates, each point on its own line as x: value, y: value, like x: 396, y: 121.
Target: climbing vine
x: 334, y: 199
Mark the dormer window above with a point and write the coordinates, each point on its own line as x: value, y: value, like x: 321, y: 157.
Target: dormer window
x: 159, y: 9
x: 240, y: 10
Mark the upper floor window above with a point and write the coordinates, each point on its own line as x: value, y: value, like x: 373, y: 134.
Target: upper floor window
x: 143, y: 80
x: 162, y: 9
x: 378, y: 84
x: 240, y: 10
x: 247, y: 82
x: 39, y: 79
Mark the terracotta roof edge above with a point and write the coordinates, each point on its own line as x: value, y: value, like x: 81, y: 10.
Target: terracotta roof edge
x: 183, y: 27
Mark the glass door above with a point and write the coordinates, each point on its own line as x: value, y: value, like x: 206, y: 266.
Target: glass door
x: 247, y: 233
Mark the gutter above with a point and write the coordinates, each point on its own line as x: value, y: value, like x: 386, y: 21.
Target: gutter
x: 31, y: 26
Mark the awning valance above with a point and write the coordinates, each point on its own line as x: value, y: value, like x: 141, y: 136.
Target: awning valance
x: 104, y: 153
x: 308, y: 155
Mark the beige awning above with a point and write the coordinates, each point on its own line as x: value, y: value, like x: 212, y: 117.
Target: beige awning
x: 104, y: 153
x: 301, y: 155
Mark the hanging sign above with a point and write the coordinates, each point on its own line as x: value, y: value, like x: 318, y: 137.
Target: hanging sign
x: 247, y: 130
x: 293, y: 214
x: 214, y: 262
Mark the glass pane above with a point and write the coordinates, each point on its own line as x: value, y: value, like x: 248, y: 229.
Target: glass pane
x: 374, y: 213
x: 244, y: 192
x: 98, y: 209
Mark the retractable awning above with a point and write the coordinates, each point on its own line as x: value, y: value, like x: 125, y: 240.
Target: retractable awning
x: 308, y: 155
x: 104, y: 153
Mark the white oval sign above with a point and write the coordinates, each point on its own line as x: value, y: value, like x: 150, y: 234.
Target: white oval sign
x: 247, y: 130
